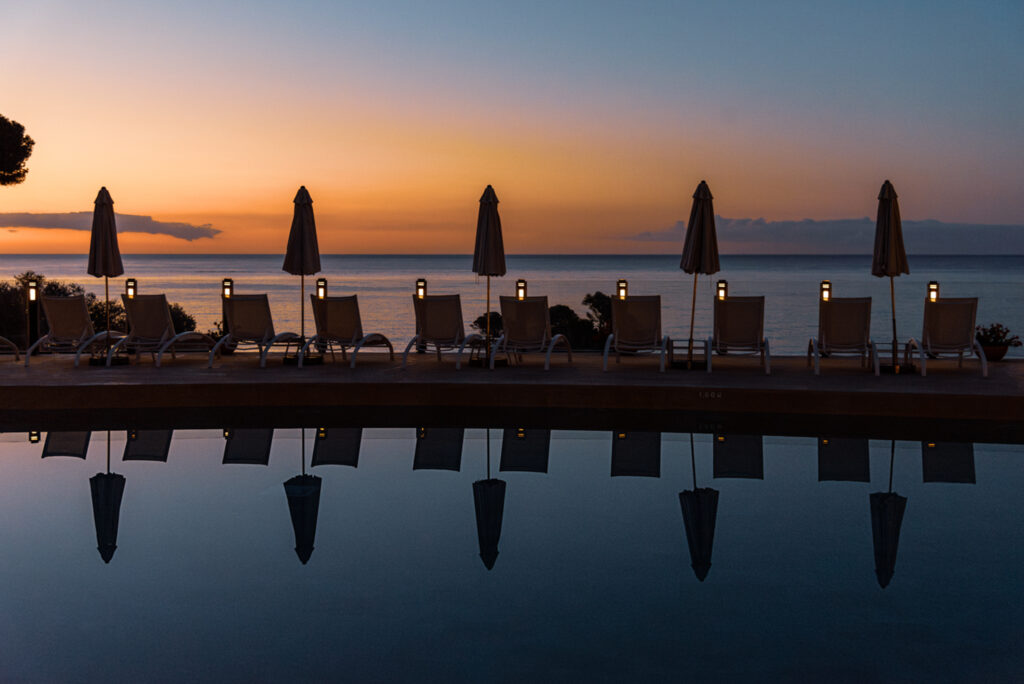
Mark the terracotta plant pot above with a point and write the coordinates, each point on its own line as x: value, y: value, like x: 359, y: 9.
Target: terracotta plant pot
x: 995, y: 352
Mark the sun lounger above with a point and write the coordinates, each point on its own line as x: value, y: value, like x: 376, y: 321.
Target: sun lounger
x: 948, y: 329
x: 151, y: 330
x: 844, y: 327
x: 739, y: 326
x: 527, y: 328
x: 71, y: 329
x: 249, y: 322
x: 439, y: 322
x: 4, y: 342
x: 338, y: 324
x: 636, y: 327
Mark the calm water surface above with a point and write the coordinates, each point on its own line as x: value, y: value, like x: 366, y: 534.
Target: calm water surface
x: 385, y: 283
x: 593, y: 581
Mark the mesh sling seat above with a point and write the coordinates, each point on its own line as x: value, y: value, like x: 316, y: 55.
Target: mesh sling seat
x: 526, y: 327
x: 948, y: 329
x: 844, y: 327
x: 636, y: 327
x: 739, y: 326
x: 338, y: 324
x: 151, y: 331
x: 439, y: 323
x: 249, y: 322
x: 71, y: 330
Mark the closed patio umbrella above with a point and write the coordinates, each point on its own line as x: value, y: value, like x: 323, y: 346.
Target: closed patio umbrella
x: 107, y: 490
x: 889, y: 258
x: 700, y: 249
x: 303, y: 492
x: 489, y: 503
x: 886, y: 519
x: 700, y: 510
x: 104, y: 254
x: 489, y: 254
x: 302, y: 258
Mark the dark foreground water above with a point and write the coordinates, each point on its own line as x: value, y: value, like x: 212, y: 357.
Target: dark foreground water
x: 593, y: 579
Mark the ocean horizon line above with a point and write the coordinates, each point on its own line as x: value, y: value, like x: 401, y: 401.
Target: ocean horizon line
x: 469, y: 255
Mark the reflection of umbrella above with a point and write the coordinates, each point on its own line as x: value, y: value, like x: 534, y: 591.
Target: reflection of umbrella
x: 74, y: 444
x: 148, y: 445
x: 843, y: 460
x: 107, y: 490
x: 525, y: 450
x: 489, y: 254
x: 890, y: 258
x: 337, y: 446
x: 489, y: 501
x: 886, y: 518
x: 303, y: 492
x: 636, y: 454
x: 700, y: 249
x: 248, y: 445
x: 104, y: 255
x: 302, y: 258
x: 948, y: 462
x: 438, y: 449
x: 739, y: 456
x: 700, y: 508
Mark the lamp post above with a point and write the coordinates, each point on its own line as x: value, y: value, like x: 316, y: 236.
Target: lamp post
x: 227, y: 288
x: 826, y: 290
x: 131, y: 288
x: 321, y: 288
x: 520, y: 289
x: 421, y: 288
x: 32, y: 313
x: 34, y: 437
x: 722, y: 289
x: 933, y: 291
x: 622, y: 288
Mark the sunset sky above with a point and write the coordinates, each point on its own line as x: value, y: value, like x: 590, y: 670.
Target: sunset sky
x: 594, y: 121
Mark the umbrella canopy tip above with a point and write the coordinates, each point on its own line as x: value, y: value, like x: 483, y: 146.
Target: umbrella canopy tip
x: 304, y: 554
x: 107, y: 552
x: 489, y: 559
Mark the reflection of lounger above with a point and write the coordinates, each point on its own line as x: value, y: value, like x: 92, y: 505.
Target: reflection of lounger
x: 740, y: 456
x: 438, y: 449
x: 525, y: 450
x: 338, y: 324
x: 151, y: 331
x: 71, y: 330
x: 844, y: 327
x: 636, y: 327
x: 337, y: 446
x: 248, y: 446
x: 948, y: 330
x: 636, y: 454
x: 948, y: 462
x: 148, y: 445
x: 843, y: 460
x: 73, y: 444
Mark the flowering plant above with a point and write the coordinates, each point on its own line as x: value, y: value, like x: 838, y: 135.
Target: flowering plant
x: 996, y: 335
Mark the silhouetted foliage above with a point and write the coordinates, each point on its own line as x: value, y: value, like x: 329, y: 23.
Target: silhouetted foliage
x: 15, y: 149
x: 183, y: 320
x: 579, y: 331
x: 600, y: 313
x: 496, y: 325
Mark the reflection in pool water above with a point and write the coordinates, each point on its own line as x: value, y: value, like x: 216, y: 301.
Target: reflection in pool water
x: 772, y: 572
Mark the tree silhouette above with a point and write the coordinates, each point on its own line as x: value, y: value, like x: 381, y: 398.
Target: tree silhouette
x: 15, y: 148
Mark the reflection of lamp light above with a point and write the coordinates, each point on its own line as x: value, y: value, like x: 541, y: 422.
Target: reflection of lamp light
x: 34, y: 437
x: 520, y: 433
x: 421, y: 433
x: 622, y: 288
x: 33, y: 290
x: 722, y: 289
x: 826, y: 290
x: 520, y: 289
x: 825, y: 442
x: 933, y: 291
x: 321, y: 288
x: 421, y: 288
x: 321, y: 433
x: 132, y: 435
x: 227, y: 434
x: 229, y: 286
x: 931, y: 445
x: 621, y: 435
x: 720, y: 438
x: 130, y: 287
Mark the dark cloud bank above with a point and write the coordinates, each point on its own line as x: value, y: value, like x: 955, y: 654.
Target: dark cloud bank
x: 126, y: 223
x: 850, y: 236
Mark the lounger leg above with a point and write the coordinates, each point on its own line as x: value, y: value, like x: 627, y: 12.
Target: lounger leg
x: 216, y: 349
x: 707, y: 353
x: 494, y: 349
x: 981, y: 357
x: 607, y: 348
x: 767, y: 359
x: 874, y: 359
x: 405, y: 356
x: 817, y: 357
x: 661, y: 357
x: 32, y: 349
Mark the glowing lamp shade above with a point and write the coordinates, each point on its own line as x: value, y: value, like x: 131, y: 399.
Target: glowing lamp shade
x: 227, y: 287
x: 421, y: 288
x: 34, y: 437
x: 131, y: 287
x: 722, y: 289
x: 933, y: 291
x: 33, y: 290
x: 826, y: 290
x: 321, y: 288
x: 622, y: 289
x: 520, y: 289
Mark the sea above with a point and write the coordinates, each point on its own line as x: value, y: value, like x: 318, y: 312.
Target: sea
x: 384, y: 284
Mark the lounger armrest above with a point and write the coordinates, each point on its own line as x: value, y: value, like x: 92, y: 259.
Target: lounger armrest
x: 709, y: 344
x: 551, y: 347
x: 874, y: 357
x: 7, y: 343
x: 913, y: 344
x: 814, y: 351
x: 664, y: 345
x: 286, y: 337
x: 87, y: 344
x: 494, y: 349
x: 222, y: 342
x: 405, y: 355
x: 468, y: 340
x: 373, y: 339
x: 113, y: 350
x: 607, y: 348
x: 31, y: 350
x: 981, y: 357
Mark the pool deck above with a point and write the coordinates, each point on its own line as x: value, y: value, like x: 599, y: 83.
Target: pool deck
x: 948, y: 403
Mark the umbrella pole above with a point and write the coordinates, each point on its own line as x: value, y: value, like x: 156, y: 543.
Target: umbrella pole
x: 487, y: 350
x: 892, y: 299
x: 693, y: 463
x: 488, y: 453
x: 106, y: 298
x: 693, y: 312
x: 892, y: 459
x: 108, y: 452
x: 302, y: 306
x: 302, y: 438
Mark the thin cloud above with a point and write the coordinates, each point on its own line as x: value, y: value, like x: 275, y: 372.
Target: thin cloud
x: 126, y: 223
x: 849, y: 236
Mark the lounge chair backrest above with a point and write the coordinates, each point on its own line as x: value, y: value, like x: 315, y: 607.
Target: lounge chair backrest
x: 68, y: 318
x: 149, y: 317
x: 739, y: 321
x: 949, y: 323
x: 337, y: 318
x: 248, y: 316
x: 636, y: 320
x: 439, y: 318
x: 844, y: 323
x: 526, y: 321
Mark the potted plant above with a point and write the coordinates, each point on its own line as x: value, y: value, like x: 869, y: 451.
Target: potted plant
x: 995, y: 340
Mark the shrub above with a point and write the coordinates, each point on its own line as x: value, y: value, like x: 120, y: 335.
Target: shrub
x: 996, y: 335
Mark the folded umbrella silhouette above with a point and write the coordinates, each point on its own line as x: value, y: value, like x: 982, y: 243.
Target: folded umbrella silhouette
x: 886, y: 518
x: 303, y: 492
x: 700, y: 248
x: 148, y: 445
x: 489, y: 250
x: 438, y: 449
x: 525, y: 450
x: 302, y: 256
x: 700, y: 508
x: 636, y: 454
x: 948, y: 462
x: 843, y: 460
x: 74, y: 444
x: 248, y: 445
x: 740, y: 456
x: 337, y: 446
x: 107, y: 490
x: 489, y: 501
